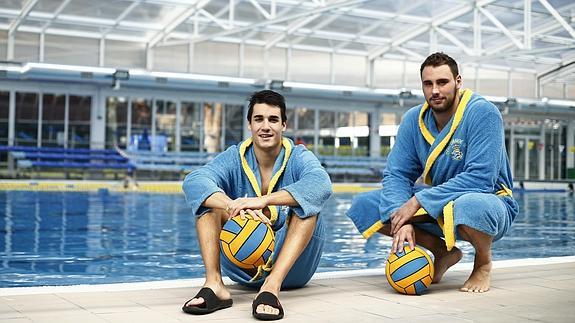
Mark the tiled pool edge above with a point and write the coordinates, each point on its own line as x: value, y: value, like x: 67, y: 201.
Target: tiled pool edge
x: 197, y: 282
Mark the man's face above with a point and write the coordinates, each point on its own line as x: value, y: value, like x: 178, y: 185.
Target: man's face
x: 440, y: 87
x: 266, y: 126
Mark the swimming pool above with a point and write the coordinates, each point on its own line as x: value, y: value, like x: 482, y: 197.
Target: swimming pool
x: 68, y: 238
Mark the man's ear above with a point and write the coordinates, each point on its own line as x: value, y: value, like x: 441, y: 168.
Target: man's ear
x: 284, y: 126
x: 458, y: 82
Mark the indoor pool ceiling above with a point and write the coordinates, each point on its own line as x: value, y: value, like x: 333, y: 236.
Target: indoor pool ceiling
x: 532, y: 35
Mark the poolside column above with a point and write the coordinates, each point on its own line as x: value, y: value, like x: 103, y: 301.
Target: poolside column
x: 542, y: 152
x: 570, y: 150
x: 374, y: 138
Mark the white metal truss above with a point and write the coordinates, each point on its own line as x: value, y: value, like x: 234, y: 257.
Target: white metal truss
x: 515, y: 33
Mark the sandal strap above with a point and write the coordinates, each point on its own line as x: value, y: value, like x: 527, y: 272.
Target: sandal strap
x: 267, y: 298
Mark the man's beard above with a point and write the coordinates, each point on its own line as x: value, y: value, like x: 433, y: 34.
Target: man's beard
x: 447, y: 104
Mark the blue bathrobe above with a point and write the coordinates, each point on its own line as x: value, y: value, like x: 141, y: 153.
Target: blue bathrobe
x: 464, y: 169
x: 296, y: 171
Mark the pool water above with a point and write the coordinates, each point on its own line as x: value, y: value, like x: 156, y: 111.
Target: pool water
x: 68, y: 238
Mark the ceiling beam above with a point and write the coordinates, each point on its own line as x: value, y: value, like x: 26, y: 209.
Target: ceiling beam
x: 28, y: 6
x: 290, y: 29
x: 261, y: 24
x: 121, y: 17
x: 419, y: 30
x: 56, y: 14
x: 173, y: 24
x: 449, y: 36
x: 501, y: 27
x: 558, y: 17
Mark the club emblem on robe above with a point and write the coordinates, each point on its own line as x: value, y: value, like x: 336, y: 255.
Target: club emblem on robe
x: 456, y: 149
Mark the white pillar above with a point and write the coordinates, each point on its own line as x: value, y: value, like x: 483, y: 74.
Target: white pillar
x: 369, y: 72
x: 332, y: 68
x: 102, y: 52
x: 374, y: 139
x: 178, y: 137
x: 570, y: 145
x: 66, y: 120
x: 98, y: 122
x: 40, y: 117
x: 542, y: 151
x: 316, y: 132
x: 12, y: 118
x: 512, y: 149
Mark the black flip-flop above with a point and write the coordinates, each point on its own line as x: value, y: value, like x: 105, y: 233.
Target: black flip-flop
x: 267, y: 298
x: 211, y: 303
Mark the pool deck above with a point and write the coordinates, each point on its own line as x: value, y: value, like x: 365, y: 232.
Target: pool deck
x: 540, y: 290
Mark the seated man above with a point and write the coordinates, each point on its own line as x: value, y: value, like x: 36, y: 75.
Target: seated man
x: 455, y: 143
x: 256, y: 177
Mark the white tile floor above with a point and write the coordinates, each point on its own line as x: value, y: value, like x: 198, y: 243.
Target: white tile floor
x: 521, y: 291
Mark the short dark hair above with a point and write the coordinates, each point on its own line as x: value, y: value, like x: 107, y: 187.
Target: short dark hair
x: 268, y: 97
x: 438, y: 59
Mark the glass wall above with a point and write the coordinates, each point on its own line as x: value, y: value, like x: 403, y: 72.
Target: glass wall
x: 4, y: 116
x: 116, y: 122
x: 141, y: 124
x: 327, y: 128
x: 79, y: 121
x: 343, y: 143
x: 165, y: 126
x: 360, y: 134
x: 387, y: 132
x: 53, y: 120
x: 26, y: 126
x: 234, y: 124
x: 190, y: 126
x: 212, y: 127
x: 306, y: 130
x: 291, y: 126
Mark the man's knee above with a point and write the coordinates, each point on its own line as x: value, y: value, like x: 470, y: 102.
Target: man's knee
x: 480, y: 212
x: 213, y: 215
x: 470, y: 234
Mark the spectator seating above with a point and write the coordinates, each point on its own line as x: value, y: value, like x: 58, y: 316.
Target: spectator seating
x: 161, y: 164
x: 22, y: 159
x: 353, y: 168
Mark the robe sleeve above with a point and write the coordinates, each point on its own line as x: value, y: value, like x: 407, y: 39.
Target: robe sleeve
x: 402, y: 168
x: 215, y: 176
x: 485, y: 137
x: 312, y: 186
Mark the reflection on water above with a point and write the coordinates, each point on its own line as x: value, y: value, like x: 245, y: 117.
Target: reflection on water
x: 65, y: 238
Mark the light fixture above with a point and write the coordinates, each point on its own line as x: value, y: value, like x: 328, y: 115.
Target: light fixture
x: 119, y: 75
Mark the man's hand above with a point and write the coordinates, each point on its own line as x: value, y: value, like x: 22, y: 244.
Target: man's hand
x: 405, y: 233
x: 403, y: 214
x: 250, y: 205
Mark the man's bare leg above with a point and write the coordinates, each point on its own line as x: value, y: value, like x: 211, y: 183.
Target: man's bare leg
x: 299, y: 234
x: 480, y: 279
x: 209, y: 226
x: 443, y: 259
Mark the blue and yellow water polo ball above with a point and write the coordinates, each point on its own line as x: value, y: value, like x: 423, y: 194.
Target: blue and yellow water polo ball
x: 409, y: 271
x: 247, y: 243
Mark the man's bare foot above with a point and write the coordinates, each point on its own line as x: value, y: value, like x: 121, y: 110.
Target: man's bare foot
x: 219, y: 289
x: 443, y: 262
x: 479, y: 280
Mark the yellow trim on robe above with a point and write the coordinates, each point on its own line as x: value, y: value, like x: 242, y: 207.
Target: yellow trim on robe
x: 373, y: 229
x: 252, y: 177
x: 424, y: 131
x: 441, y: 146
x: 378, y: 225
